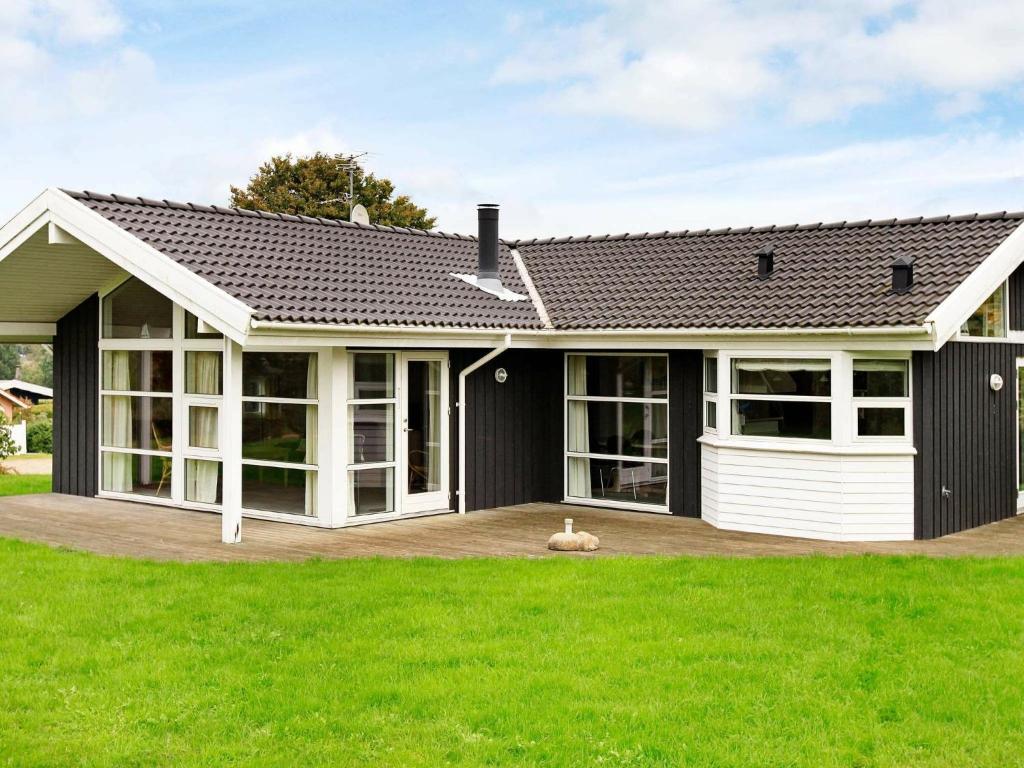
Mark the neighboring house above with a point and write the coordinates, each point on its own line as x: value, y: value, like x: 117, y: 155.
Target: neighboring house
x: 25, y: 391
x: 847, y: 381
x: 10, y: 404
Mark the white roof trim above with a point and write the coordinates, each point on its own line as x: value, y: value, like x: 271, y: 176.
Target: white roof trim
x: 976, y: 287
x: 36, y: 389
x: 182, y: 286
x: 524, y: 275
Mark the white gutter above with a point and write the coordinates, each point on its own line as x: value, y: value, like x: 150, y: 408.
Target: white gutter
x: 888, y: 330
x: 461, y: 405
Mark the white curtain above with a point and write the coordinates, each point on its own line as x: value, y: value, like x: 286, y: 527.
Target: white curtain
x: 202, y: 479
x: 311, y: 435
x: 203, y: 375
x: 579, y: 429
x: 433, y: 436
x: 117, y: 423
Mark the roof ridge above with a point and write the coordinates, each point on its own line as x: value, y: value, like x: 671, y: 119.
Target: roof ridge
x: 233, y: 211
x: 520, y: 242
x: 768, y: 229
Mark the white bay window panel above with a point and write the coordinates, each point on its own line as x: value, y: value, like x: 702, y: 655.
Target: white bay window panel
x: 781, y: 398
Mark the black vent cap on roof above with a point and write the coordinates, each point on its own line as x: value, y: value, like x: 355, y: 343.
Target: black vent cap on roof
x: 765, y: 262
x: 902, y: 274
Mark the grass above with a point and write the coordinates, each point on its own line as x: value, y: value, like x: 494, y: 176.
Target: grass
x: 15, y: 485
x: 625, y: 662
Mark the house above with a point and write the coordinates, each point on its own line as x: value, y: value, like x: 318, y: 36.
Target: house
x: 25, y: 391
x: 10, y: 404
x: 847, y: 381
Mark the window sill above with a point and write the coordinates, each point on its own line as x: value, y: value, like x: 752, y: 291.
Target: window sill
x: 809, y: 446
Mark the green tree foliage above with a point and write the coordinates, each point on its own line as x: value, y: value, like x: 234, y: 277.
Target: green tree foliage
x: 37, y: 367
x: 298, y: 185
x: 39, y: 437
x: 7, y: 446
x: 10, y: 357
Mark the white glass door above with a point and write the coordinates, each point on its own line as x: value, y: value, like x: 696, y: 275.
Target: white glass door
x: 424, y: 432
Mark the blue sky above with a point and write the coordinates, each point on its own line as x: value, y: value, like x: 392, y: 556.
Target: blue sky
x: 576, y: 117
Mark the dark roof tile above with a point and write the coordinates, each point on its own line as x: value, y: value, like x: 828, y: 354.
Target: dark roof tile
x: 303, y: 269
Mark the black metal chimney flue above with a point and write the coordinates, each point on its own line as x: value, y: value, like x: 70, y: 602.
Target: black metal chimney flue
x: 487, y: 265
x: 902, y: 274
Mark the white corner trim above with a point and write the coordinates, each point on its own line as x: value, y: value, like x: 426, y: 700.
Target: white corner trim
x: 187, y: 289
x: 976, y: 287
x: 524, y: 275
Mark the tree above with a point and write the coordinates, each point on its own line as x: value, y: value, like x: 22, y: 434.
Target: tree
x: 10, y: 358
x: 38, y: 365
x: 7, y: 446
x: 317, y: 185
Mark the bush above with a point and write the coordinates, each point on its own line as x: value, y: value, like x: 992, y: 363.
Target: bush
x: 39, y: 437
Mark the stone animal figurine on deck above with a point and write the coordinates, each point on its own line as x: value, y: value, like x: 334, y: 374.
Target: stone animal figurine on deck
x: 568, y: 541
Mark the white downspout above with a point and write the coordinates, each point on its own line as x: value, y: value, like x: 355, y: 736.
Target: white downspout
x: 461, y: 405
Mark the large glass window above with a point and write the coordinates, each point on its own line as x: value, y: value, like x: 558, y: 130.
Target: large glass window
x: 782, y: 398
x: 142, y: 447
x: 279, y: 432
x: 372, y: 405
x: 137, y: 429
x: 988, y: 320
x: 881, y: 398
x: 133, y: 310
x: 617, y: 428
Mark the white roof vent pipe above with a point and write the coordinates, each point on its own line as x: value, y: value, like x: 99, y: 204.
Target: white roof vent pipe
x: 487, y: 277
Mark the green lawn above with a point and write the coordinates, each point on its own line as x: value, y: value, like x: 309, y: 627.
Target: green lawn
x: 788, y: 662
x: 14, y: 485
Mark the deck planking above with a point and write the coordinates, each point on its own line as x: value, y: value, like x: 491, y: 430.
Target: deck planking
x: 161, y: 533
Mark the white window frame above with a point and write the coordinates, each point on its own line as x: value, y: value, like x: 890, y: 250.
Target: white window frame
x: 180, y: 451
x: 733, y: 396
x: 567, y: 454
x: 708, y: 395
x: 322, y: 467
x: 351, y: 466
x: 904, y: 403
x: 961, y: 336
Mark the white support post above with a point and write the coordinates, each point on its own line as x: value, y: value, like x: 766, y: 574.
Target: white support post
x: 231, y: 437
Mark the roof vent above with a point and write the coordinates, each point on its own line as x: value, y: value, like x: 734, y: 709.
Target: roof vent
x: 902, y: 274
x: 765, y: 262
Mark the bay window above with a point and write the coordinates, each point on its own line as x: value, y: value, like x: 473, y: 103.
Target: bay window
x: 711, y: 393
x: 617, y: 428
x: 881, y: 398
x: 782, y: 398
x: 279, y: 432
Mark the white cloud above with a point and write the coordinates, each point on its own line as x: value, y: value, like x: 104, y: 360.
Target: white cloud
x: 697, y: 64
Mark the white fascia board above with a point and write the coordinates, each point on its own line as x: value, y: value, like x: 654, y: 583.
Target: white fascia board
x: 27, y: 333
x: 976, y: 287
x: 187, y: 289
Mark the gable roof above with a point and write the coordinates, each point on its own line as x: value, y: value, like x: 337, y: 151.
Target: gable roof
x: 299, y: 269
x: 25, y: 386
x: 825, y: 275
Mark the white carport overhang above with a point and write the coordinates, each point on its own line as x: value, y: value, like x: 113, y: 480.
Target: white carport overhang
x: 56, y: 253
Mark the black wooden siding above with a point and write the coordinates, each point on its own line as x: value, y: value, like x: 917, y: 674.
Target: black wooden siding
x: 965, y: 434
x: 515, y: 430
x: 686, y: 424
x: 1016, y: 299
x: 75, y: 401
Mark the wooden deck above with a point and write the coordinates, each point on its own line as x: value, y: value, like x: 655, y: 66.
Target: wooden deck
x: 147, y: 531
